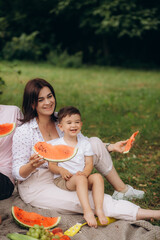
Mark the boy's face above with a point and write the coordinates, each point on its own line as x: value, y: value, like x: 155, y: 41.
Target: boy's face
x: 71, y: 125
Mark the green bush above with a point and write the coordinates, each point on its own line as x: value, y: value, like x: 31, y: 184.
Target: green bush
x: 63, y: 59
x: 23, y: 47
x: 1, y: 83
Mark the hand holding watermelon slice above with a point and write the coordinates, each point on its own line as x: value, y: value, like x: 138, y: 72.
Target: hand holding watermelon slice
x: 130, y: 142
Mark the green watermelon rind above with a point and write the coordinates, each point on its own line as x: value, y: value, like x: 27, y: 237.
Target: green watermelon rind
x: 4, y: 135
x: 26, y: 226
x: 126, y: 152
x: 57, y: 160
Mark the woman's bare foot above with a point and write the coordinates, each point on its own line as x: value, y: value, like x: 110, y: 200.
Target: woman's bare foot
x: 156, y: 215
x: 102, y: 218
x: 90, y: 218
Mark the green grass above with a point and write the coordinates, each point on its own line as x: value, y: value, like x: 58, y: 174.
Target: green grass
x: 114, y: 103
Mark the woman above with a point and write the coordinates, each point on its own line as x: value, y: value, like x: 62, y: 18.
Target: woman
x: 35, y: 181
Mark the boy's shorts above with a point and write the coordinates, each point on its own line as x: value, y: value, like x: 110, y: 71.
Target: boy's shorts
x: 61, y: 183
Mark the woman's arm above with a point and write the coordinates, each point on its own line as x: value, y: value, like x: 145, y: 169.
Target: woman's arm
x: 112, y: 147
x: 23, y: 163
x: 116, y: 147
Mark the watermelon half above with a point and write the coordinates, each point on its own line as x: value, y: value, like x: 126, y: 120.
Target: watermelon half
x: 54, y: 153
x: 129, y: 142
x: 6, y: 129
x: 29, y: 219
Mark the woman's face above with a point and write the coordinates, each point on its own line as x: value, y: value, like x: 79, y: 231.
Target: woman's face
x: 46, y: 102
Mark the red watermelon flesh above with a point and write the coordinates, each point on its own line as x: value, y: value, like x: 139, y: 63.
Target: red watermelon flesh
x: 29, y: 219
x: 129, y: 142
x: 6, y: 129
x: 55, y: 153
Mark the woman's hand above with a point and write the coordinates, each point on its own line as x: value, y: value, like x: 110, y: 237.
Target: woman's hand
x: 36, y: 161
x: 117, y: 147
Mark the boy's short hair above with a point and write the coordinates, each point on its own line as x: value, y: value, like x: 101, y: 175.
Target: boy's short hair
x: 67, y: 111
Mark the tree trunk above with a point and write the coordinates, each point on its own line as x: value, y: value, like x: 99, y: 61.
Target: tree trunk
x: 105, y: 46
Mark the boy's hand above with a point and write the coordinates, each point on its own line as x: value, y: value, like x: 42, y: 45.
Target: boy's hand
x: 65, y: 174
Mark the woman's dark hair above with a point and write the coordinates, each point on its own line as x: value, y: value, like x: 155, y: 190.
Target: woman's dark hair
x: 67, y: 111
x: 30, y: 98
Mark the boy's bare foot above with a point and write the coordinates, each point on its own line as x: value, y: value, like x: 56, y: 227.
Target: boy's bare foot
x: 102, y: 218
x: 90, y: 218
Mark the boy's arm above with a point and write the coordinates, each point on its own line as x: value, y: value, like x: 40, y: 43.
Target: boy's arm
x: 54, y: 168
x: 88, y: 166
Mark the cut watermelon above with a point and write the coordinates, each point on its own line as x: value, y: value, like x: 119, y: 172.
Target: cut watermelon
x: 129, y: 142
x: 54, y: 153
x: 6, y: 129
x: 29, y: 219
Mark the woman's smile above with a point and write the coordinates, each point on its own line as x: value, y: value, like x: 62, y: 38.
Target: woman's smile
x: 49, y: 107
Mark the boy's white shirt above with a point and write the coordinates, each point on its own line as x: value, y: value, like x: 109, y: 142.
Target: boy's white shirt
x: 77, y: 163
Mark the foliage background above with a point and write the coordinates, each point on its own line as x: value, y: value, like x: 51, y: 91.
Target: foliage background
x: 104, y: 32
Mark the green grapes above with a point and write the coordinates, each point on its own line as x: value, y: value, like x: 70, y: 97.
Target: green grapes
x: 40, y: 233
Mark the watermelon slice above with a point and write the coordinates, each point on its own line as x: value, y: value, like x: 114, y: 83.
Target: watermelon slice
x: 6, y: 129
x: 29, y: 219
x: 129, y: 142
x: 54, y: 153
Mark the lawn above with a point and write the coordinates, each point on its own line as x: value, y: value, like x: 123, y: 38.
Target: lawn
x: 114, y: 103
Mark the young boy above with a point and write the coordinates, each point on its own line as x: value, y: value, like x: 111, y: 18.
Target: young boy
x: 75, y: 174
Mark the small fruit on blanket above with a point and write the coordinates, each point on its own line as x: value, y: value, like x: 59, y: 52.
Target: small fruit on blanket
x: 56, y: 230
x: 65, y: 237
x: 39, y: 232
x: 6, y: 129
x: 28, y: 219
x: 56, y: 153
x: 60, y: 234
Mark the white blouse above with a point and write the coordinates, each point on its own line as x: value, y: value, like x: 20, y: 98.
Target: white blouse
x: 25, y: 137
